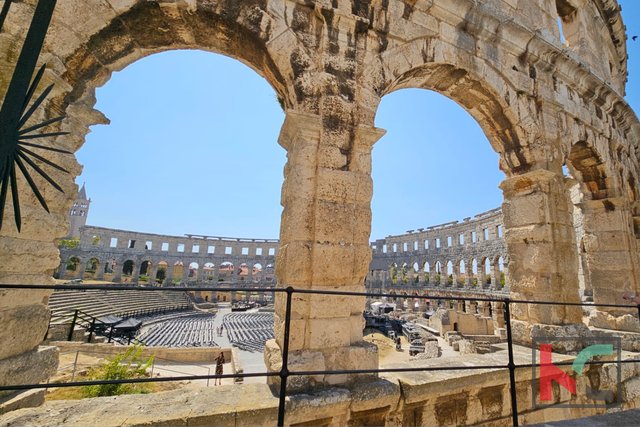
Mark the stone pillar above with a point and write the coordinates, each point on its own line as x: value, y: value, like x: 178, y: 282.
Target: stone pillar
x: 250, y: 273
x: 324, y: 244
x: 185, y: 272
x: 473, y: 307
x: 135, y: 277
x: 470, y: 275
x: 117, y: 272
x: 495, y: 275
x: 541, y: 245
x: 99, y: 275
x: 30, y: 257
x: 483, y: 308
x: 61, y: 270
x: 152, y: 273
x: 82, y: 266
x: 498, y: 314
x: 168, y: 280
x: 610, y: 250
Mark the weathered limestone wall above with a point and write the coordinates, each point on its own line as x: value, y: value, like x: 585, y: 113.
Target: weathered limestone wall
x: 541, y: 104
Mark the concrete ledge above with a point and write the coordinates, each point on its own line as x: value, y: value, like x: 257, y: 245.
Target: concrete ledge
x: 415, y: 398
x: 26, y: 399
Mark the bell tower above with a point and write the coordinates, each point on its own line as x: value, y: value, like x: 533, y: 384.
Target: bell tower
x: 78, y: 213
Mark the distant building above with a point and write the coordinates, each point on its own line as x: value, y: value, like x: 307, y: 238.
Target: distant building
x: 78, y: 213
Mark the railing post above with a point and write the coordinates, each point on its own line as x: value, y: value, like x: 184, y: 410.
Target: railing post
x: 284, y: 371
x: 75, y: 366
x: 110, y: 334
x: 73, y: 325
x: 511, y: 365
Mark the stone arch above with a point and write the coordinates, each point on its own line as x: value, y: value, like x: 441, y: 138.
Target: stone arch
x: 162, y: 271
x: 225, y: 270
x: 145, y: 28
x: 208, y: 271
x: 257, y: 271
x: 194, y: 271
x: 606, y: 227
x: 128, y: 269
x: 110, y: 266
x: 92, y: 268
x: 145, y: 267
x: 587, y: 166
x: 72, y: 267
x: 486, y: 267
x: 479, y: 93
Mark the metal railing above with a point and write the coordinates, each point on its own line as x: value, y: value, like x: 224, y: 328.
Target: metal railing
x: 285, y: 373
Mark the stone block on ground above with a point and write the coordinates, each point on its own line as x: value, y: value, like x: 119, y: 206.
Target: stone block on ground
x: 467, y: 347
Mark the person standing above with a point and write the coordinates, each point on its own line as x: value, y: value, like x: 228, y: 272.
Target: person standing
x: 219, y: 368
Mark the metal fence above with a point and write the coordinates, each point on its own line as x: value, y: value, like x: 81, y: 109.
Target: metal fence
x: 285, y: 373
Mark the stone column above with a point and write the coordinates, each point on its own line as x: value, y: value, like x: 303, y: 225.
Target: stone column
x: 498, y: 314
x: 99, y: 275
x: 541, y: 245
x: 168, y: 280
x: 495, y: 275
x: 470, y: 274
x: 611, y: 258
x: 185, y: 272
x: 62, y: 269
x: 152, y: 271
x: 117, y: 272
x: 135, y: 277
x: 250, y: 272
x: 324, y: 245
x: 82, y: 266
x: 454, y: 277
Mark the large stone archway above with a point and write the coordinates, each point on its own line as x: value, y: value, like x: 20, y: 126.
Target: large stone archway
x: 330, y: 63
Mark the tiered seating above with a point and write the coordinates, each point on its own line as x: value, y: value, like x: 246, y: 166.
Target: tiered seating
x: 249, y: 331
x: 195, y: 330
x: 127, y: 303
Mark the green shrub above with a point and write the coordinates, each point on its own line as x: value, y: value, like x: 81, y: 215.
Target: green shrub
x: 70, y: 243
x: 125, y: 365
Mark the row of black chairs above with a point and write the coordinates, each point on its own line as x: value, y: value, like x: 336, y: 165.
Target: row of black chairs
x: 249, y: 331
x: 194, y: 330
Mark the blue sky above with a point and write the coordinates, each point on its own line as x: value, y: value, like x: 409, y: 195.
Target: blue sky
x: 192, y: 148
